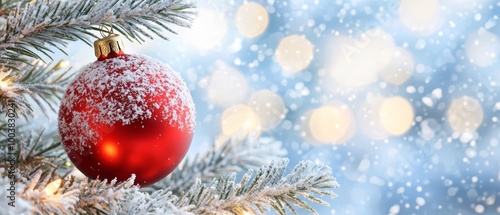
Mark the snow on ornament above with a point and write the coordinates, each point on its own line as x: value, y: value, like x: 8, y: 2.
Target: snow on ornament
x: 126, y: 114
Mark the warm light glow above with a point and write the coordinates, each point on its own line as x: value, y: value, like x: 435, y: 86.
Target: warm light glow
x: 396, y: 115
x: 294, y: 53
x: 397, y: 65
x: 356, y: 71
x: 269, y: 107
x: 52, y: 187
x: 369, y: 118
x: 356, y: 62
x: 305, y: 130
x: 422, y: 16
x: 6, y: 89
x: 252, y: 19
x: 240, y: 211
x: 331, y: 123
x: 465, y: 114
x: 110, y: 150
x: 240, y: 119
x: 61, y: 65
x: 208, y: 29
x: 482, y: 48
x: 227, y: 86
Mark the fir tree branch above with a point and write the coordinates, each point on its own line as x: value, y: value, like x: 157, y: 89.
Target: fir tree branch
x: 267, y: 187
x: 47, y: 201
x: 236, y: 154
x: 101, y: 197
x: 8, y: 5
x: 34, y: 27
x: 44, y: 84
x: 35, y: 153
x: 22, y: 206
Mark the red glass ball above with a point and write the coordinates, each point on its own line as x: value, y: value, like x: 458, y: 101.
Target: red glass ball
x: 127, y: 115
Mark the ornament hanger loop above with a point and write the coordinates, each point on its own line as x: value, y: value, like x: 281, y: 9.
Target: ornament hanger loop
x: 105, y: 28
x: 110, y: 45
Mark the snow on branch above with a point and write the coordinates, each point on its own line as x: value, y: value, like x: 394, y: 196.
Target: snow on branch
x: 101, y: 197
x: 32, y: 28
x: 235, y: 154
x: 45, y: 191
x: 267, y: 187
x: 43, y: 83
x: 47, y: 194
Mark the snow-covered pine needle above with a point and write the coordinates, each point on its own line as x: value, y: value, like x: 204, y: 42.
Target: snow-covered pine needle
x: 34, y: 27
x: 267, y: 187
x: 235, y: 154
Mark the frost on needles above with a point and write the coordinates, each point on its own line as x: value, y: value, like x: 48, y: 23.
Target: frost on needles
x: 213, y: 182
x: 259, y: 189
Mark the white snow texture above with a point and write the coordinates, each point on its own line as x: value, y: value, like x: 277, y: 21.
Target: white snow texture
x: 112, y: 97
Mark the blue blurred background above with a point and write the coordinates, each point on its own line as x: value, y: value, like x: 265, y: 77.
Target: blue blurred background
x: 399, y: 97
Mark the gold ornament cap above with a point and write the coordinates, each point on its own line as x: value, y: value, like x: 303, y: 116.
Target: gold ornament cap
x: 109, y: 46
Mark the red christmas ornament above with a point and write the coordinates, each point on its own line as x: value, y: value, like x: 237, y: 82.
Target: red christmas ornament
x: 126, y: 114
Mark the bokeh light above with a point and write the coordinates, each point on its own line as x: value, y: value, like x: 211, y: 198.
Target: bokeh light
x: 208, y: 30
x: 358, y: 60
x: 240, y: 119
x: 369, y: 118
x: 227, y: 86
x: 423, y: 16
x: 465, y: 114
x: 269, y: 107
x: 396, y: 115
x: 482, y: 48
x: 294, y: 53
x: 397, y: 66
x: 252, y: 19
x: 373, y: 88
x: 331, y: 123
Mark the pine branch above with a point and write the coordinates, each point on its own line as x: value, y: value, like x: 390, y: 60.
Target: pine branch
x: 40, y: 82
x: 268, y: 187
x: 234, y: 155
x: 254, y: 193
x: 7, y: 5
x: 35, y: 27
x: 37, y: 151
x: 43, y: 192
x: 22, y: 206
x: 101, y: 197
